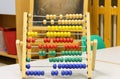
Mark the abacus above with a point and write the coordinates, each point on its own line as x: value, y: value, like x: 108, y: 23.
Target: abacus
x: 59, y: 32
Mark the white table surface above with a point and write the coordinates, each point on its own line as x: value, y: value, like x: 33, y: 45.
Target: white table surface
x: 107, y: 67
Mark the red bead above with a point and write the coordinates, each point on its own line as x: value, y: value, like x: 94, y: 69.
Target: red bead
x: 45, y: 40
x: 45, y: 46
x: 54, y: 40
x: 29, y: 46
x: 71, y: 40
x: 48, y: 40
x: 76, y: 46
x: 33, y: 40
x: 28, y: 40
x: 64, y: 40
x: 61, y: 40
x: 55, y: 46
x: 50, y: 46
x: 67, y: 39
x: 57, y: 40
x: 40, y: 46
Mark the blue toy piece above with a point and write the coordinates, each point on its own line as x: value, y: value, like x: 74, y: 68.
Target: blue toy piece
x: 54, y: 66
x: 28, y: 66
x: 59, y: 66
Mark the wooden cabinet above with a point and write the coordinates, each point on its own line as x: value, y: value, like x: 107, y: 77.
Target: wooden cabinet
x: 8, y: 19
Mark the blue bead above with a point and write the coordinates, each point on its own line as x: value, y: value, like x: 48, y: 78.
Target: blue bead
x: 28, y: 66
x: 56, y: 72
x: 63, y: 72
x: 59, y: 66
x: 73, y: 66
x: 77, y: 66
x: 54, y: 66
x: 52, y: 73
x: 70, y: 66
x: 38, y: 73
x: 67, y: 66
x: 27, y: 73
x: 80, y: 66
x: 84, y: 66
x: 34, y: 73
x: 66, y: 72
x: 31, y: 73
x: 42, y: 73
x: 63, y: 66
x: 70, y: 72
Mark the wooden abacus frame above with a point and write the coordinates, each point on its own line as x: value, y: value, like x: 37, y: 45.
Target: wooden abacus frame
x: 28, y: 26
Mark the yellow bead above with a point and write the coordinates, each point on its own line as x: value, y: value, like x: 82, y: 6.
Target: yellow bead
x: 61, y: 34
x: 35, y: 34
x: 56, y: 28
x: 29, y: 33
x: 61, y: 16
x: 73, y: 27
x: 49, y: 28
x: 48, y: 34
x: 77, y: 27
x: 32, y: 33
x: 80, y: 27
x: 69, y: 34
x: 53, y: 28
x: 63, y: 27
x: 60, y: 28
x: 59, y: 21
x: 65, y: 34
x: 67, y: 28
x: 54, y: 34
x: 47, y: 17
x: 58, y: 34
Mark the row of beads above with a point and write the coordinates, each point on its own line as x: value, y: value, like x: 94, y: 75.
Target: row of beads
x: 55, y: 40
x: 46, y: 46
x: 64, y: 22
x: 50, y: 53
x: 68, y: 16
x: 58, y: 34
x: 35, y: 73
x: 69, y: 66
x: 64, y: 28
x: 71, y: 53
x: 68, y: 59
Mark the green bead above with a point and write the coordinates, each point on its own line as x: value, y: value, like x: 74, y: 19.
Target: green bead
x: 66, y: 52
x: 72, y: 53
x: 40, y: 53
x: 50, y: 60
x: 77, y: 59
x: 79, y: 53
x: 69, y: 60
x: 49, y: 53
x: 54, y: 53
x: 80, y: 59
x: 76, y: 53
x: 63, y: 53
x: 61, y: 59
x: 69, y: 53
x: 43, y: 53
x: 28, y: 59
x: 66, y: 59
x: 57, y: 59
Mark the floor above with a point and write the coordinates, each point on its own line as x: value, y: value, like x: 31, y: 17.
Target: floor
x: 6, y: 61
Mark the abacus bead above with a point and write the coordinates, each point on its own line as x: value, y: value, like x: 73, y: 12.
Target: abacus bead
x: 38, y: 73
x: 63, y: 66
x: 61, y: 59
x: 70, y: 72
x: 80, y: 66
x: 40, y: 46
x: 71, y: 40
x: 45, y: 40
x: 61, y: 16
x: 28, y: 66
x: 44, y: 22
x: 77, y: 16
x: 28, y: 59
x: 66, y: 72
x: 70, y: 66
x: 49, y: 28
x: 56, y: 72
x: 47, y: 17
x: 57, y: 59
x: 69, y: 34
x: 70, y: 16
x: 48, y: 40
x: 59, y: 66
x: 51, y: 16
x: 28, y: 40
x: 29, y: 46
x: 52, y: 73
x: 31, y: 73
x: 52, y: 21
x: 59, y: 21
x: 57, y: 40
x: 42, y: 73
x: 27, y: 73
x: 84, y: 66
x: 80, y: 15
x: 34, y: 73
x: 69, y: 53
x: 67, y: 66
x: 54, y: 16
x: 54, y: 40
x: 35, y: 33
x: 79, y: 53
x: 73, y: 16
x: 67, y: 16
x: 50, y: 60
x: 80, y: 59
x: 33, y: 40
x: 62, y: 72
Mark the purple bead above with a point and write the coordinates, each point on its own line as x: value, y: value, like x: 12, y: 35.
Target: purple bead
x: 84, y: 66
x: 34, y: 73
x: 56, y: 73
x: 42, y: 73
x: 62, y: 72
x: 52, y: 73
x: 70, y: 72
x: 38, y: 73
x: 31, y: 73
x: 27, y: 73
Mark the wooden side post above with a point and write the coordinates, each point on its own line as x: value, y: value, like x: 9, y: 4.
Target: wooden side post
x: 24, y: 45
x: 94, y: 53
